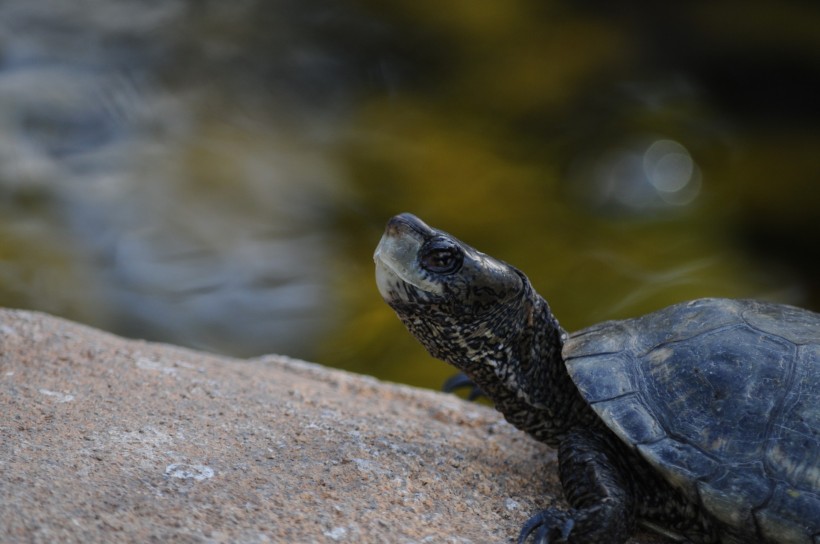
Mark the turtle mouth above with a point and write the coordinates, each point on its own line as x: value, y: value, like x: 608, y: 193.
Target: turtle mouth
x: 388, y: 280
x: 392, y: 274
x: 397, y: 269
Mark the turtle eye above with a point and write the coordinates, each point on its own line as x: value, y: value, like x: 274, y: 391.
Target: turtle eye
x: 441, y: 256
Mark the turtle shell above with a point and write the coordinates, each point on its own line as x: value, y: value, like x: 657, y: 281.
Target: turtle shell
x: 722, y: 398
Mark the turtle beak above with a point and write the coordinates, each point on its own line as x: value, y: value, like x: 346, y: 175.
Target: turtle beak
x: 396, y: 257
x: 400, y: 242
x: 409, y: 224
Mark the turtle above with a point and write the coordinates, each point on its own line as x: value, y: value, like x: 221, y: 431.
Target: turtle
x: 700, y: 421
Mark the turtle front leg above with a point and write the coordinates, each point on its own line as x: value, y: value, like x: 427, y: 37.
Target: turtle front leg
x: 461, y: 381
x: 597, y: 488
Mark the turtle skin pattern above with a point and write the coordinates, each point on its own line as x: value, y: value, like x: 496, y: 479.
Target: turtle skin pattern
x: 722, y: 398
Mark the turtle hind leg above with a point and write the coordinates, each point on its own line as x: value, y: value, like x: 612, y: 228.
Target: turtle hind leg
x: 596, y: 486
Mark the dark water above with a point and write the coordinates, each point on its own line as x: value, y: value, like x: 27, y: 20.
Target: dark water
x: 217, y: 174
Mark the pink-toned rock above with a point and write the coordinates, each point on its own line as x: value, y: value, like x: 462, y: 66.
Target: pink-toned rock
x: 104, y: 439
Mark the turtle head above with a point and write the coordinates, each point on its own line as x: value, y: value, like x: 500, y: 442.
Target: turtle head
x: 467, y: 308
x: 429, y: 269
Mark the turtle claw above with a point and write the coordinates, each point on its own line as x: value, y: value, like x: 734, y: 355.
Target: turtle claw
x: 551, y: 526
x: 460, y: 381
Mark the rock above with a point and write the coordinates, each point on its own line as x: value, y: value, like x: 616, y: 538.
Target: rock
x: 105, y: 439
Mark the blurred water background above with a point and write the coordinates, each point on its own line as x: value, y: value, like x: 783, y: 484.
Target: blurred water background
x: 217, y: 174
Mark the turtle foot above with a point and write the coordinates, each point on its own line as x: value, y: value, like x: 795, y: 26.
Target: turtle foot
x: 461, y: 381
x: 552, y: 526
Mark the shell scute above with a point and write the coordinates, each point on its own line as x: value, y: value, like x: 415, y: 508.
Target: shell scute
x: 608, y: 337
x: 790, y: 516
x: 794, y: 444
x: 683, y: 321
x: 732, y: 496
x: 682, y: 464
x: 793, y: 324
x: 720, y: 390
x: 631, y: 419
x: 603, y: 377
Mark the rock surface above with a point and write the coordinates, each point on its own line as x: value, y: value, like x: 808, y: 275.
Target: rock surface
x: 104, y: 439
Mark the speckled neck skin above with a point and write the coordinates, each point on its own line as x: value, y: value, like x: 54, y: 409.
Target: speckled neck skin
x: 513, y: 353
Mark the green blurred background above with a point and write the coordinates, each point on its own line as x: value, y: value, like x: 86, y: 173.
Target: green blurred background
x: 217, y: 174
